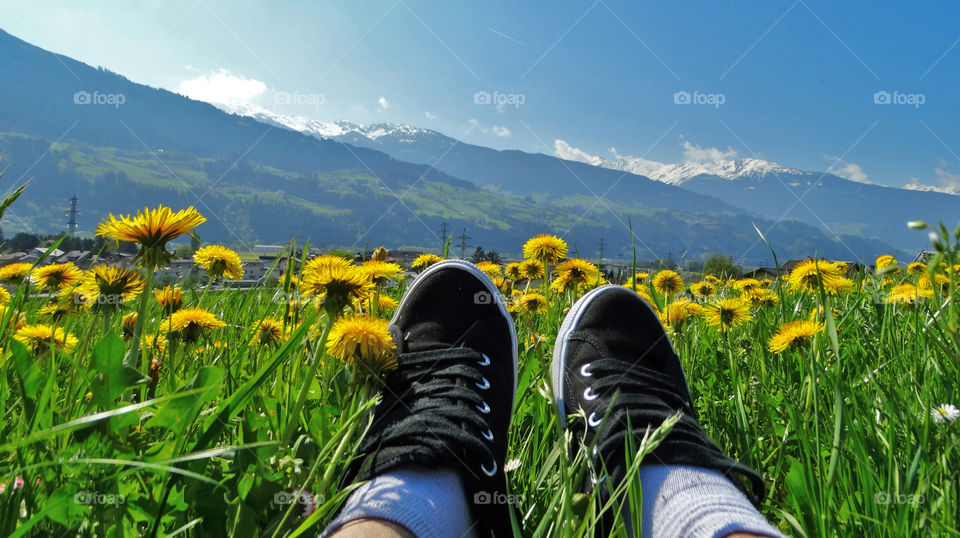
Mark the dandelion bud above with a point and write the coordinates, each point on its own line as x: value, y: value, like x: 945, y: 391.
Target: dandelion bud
x: 937, y: 242
x: 379, y: 254
x: 916, y: 224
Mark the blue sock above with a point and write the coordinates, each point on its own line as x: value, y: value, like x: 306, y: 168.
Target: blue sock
x: 692, y: 501
x: 429, y: 503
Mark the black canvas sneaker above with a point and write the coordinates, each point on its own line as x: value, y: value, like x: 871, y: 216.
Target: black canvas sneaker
x: 450, y: 401
x: 613, y: 360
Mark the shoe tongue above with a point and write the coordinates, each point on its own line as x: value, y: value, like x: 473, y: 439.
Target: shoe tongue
x: 617, y: 344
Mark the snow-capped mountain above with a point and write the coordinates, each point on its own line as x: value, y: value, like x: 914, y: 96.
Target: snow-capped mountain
x: 676, y: 173
x: 330, y: 129
x: 763, y: 188
x: 945, y: 189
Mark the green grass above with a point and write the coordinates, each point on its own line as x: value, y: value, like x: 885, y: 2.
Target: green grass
x: 836, y: 428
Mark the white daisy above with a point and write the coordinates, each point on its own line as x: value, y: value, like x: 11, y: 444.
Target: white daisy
x: 944, y: 413
x: 512, y: 465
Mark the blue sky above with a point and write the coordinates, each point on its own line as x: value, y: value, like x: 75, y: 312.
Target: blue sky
x: 792, y: 82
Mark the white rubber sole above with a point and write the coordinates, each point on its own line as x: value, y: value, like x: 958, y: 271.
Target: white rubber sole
x: 494, y: 293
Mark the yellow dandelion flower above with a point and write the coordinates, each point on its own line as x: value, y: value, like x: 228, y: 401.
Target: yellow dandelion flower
x: 531, y: 269
x: 380, y: 272
x: 153, y: 342
x: 727, y: 313
x: 15, y: 273
x: 267, y: 333
x: 916, y: 268
x: 512, y: 271
x: 762, y: 297
x: 942, y: 282
x: 340, y: 285
x: 41, y: 337
x: 804, y: 277
x: 667, y: 282
x: 703, y: 289
x: 908, y: 294
x: 679, y: 311
x: 532, y: 303
x: 712, y: 279
x: 56, y: 275
x: 364, y: 340
x: 17, y: 319
x: 190, y: 323
x: 884, y: 261
x: 385, y: 303
x: 546, y: 249
x: 637, y: 278
x: 323, y: 262
x: 746, y: 284
x: 491, y: 269
x: 425, y: 260
x: 109, y: 287
x: 4, y: 296
x: 794, y: 335
x: 219, y: 262
x: 575, y: 273
x: 152, y: 229
x: 58, y: 310
x: 127, y: 323
x: 170, y: 298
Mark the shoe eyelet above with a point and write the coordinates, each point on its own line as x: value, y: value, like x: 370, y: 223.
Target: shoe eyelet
x: 593, y: 421
x: 488, y: 435
x: 589, y: 395
x: 584, y: 372
x: 483, y: 385
x: 485, y: 361
x: 483, y: 467
x: 485, y: 409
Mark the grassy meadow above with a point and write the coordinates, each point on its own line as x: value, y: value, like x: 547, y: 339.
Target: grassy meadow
x: 130, y: 412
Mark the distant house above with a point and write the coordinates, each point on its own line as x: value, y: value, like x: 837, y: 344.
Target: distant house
x: 760, y: 273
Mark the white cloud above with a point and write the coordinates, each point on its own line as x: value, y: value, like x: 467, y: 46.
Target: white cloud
x: 947, y: 179
x: 500, y: 130
x: 565, y: 151
x: 430, y: 115
x: 695, y: 153
x: 383, y: 104
x: 846, y: 170
x: 222, y: 87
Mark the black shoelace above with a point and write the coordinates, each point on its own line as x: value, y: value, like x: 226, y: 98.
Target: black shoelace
x: 629, y: 392
x: 435, y: 401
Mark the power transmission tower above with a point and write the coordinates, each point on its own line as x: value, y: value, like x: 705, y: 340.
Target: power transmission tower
x: 443, y: 232
x: 72, y: 213
x: 601, y: 249
x: 463, y: 244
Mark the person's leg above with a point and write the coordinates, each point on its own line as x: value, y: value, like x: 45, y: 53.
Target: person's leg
x: 613, y: 359
x: 435, y: 452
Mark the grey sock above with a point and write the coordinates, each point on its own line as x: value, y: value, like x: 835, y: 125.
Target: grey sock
x: 428, y: 502
x: 696, y: 502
